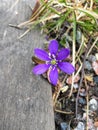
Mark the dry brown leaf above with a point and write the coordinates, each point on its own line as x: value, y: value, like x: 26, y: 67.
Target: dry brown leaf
x: 37, y: 60
x: 69, y: 79
x: 95, y: 66
x: 37, y: 5
x: 89, y: 78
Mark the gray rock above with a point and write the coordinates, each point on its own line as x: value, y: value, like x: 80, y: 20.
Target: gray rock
x: 25, y: 99
x: 80, y: 126
x: 92, y: 58
x: 82, y: 101
x: 93, y: 105
x: 88, y: 65
x: 96, y: 79
x: 63, y: 125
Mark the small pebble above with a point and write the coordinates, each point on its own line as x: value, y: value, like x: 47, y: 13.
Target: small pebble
x: 79, y: 116
x: 80, y: 126
x: 83, y: 92
x: 95, y: 67
x: 88, y: 65
x: 69, y: 79
x: 76, y: 86
x: 92, y: 58
x: 63, y: 126
x: 82, y: 101
x: 96, y: 79
x: 93, y: 105
x: 91, y: 124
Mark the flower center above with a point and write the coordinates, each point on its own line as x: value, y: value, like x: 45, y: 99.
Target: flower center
x: 53, y: 62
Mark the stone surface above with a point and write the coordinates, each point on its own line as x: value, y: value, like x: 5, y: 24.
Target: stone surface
x: 63, y: 126
x: 25, y: 99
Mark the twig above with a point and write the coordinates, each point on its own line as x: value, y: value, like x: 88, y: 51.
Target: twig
x: 79, y: 50
x: 96, y: 47
x: 33, y: 17
x: 78, y: 71
x: 52, y: 16
x: 82, y: 75
x: 91, y: 4
x: 15, y: 26
x: 87, y: 99
x: 63, y: 112
x: 92, y: 46
x: 28, y: 30
x: 56, y: 93
x: 82, y: 14
x: 15, y: 3
x: 64, y: 79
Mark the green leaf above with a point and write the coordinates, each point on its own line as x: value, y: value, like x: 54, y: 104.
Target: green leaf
x: 88, y: 25
x: 96, y: 0
x: 54, y: 10
x: 62, y: 1
x: 63, y: 41
x: 96, y: 10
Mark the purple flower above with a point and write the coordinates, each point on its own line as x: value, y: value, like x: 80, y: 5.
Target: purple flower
x: 53, y: 61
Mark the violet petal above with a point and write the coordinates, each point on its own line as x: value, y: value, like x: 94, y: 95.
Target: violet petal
x: 66, y: 67
x: 53, y: 46
x: 63, y: 54
x: 40, y: 69
x: 41, y: 54
x: 53, y: 76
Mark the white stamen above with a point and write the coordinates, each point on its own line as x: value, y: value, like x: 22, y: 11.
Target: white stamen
x: 53, y: 67
x: 50, y: 67
x: 47, y: 62
x: 49, y: 55
x: 53, y: 56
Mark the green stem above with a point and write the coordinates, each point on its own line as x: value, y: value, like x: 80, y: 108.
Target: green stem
x: 73, y: 49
